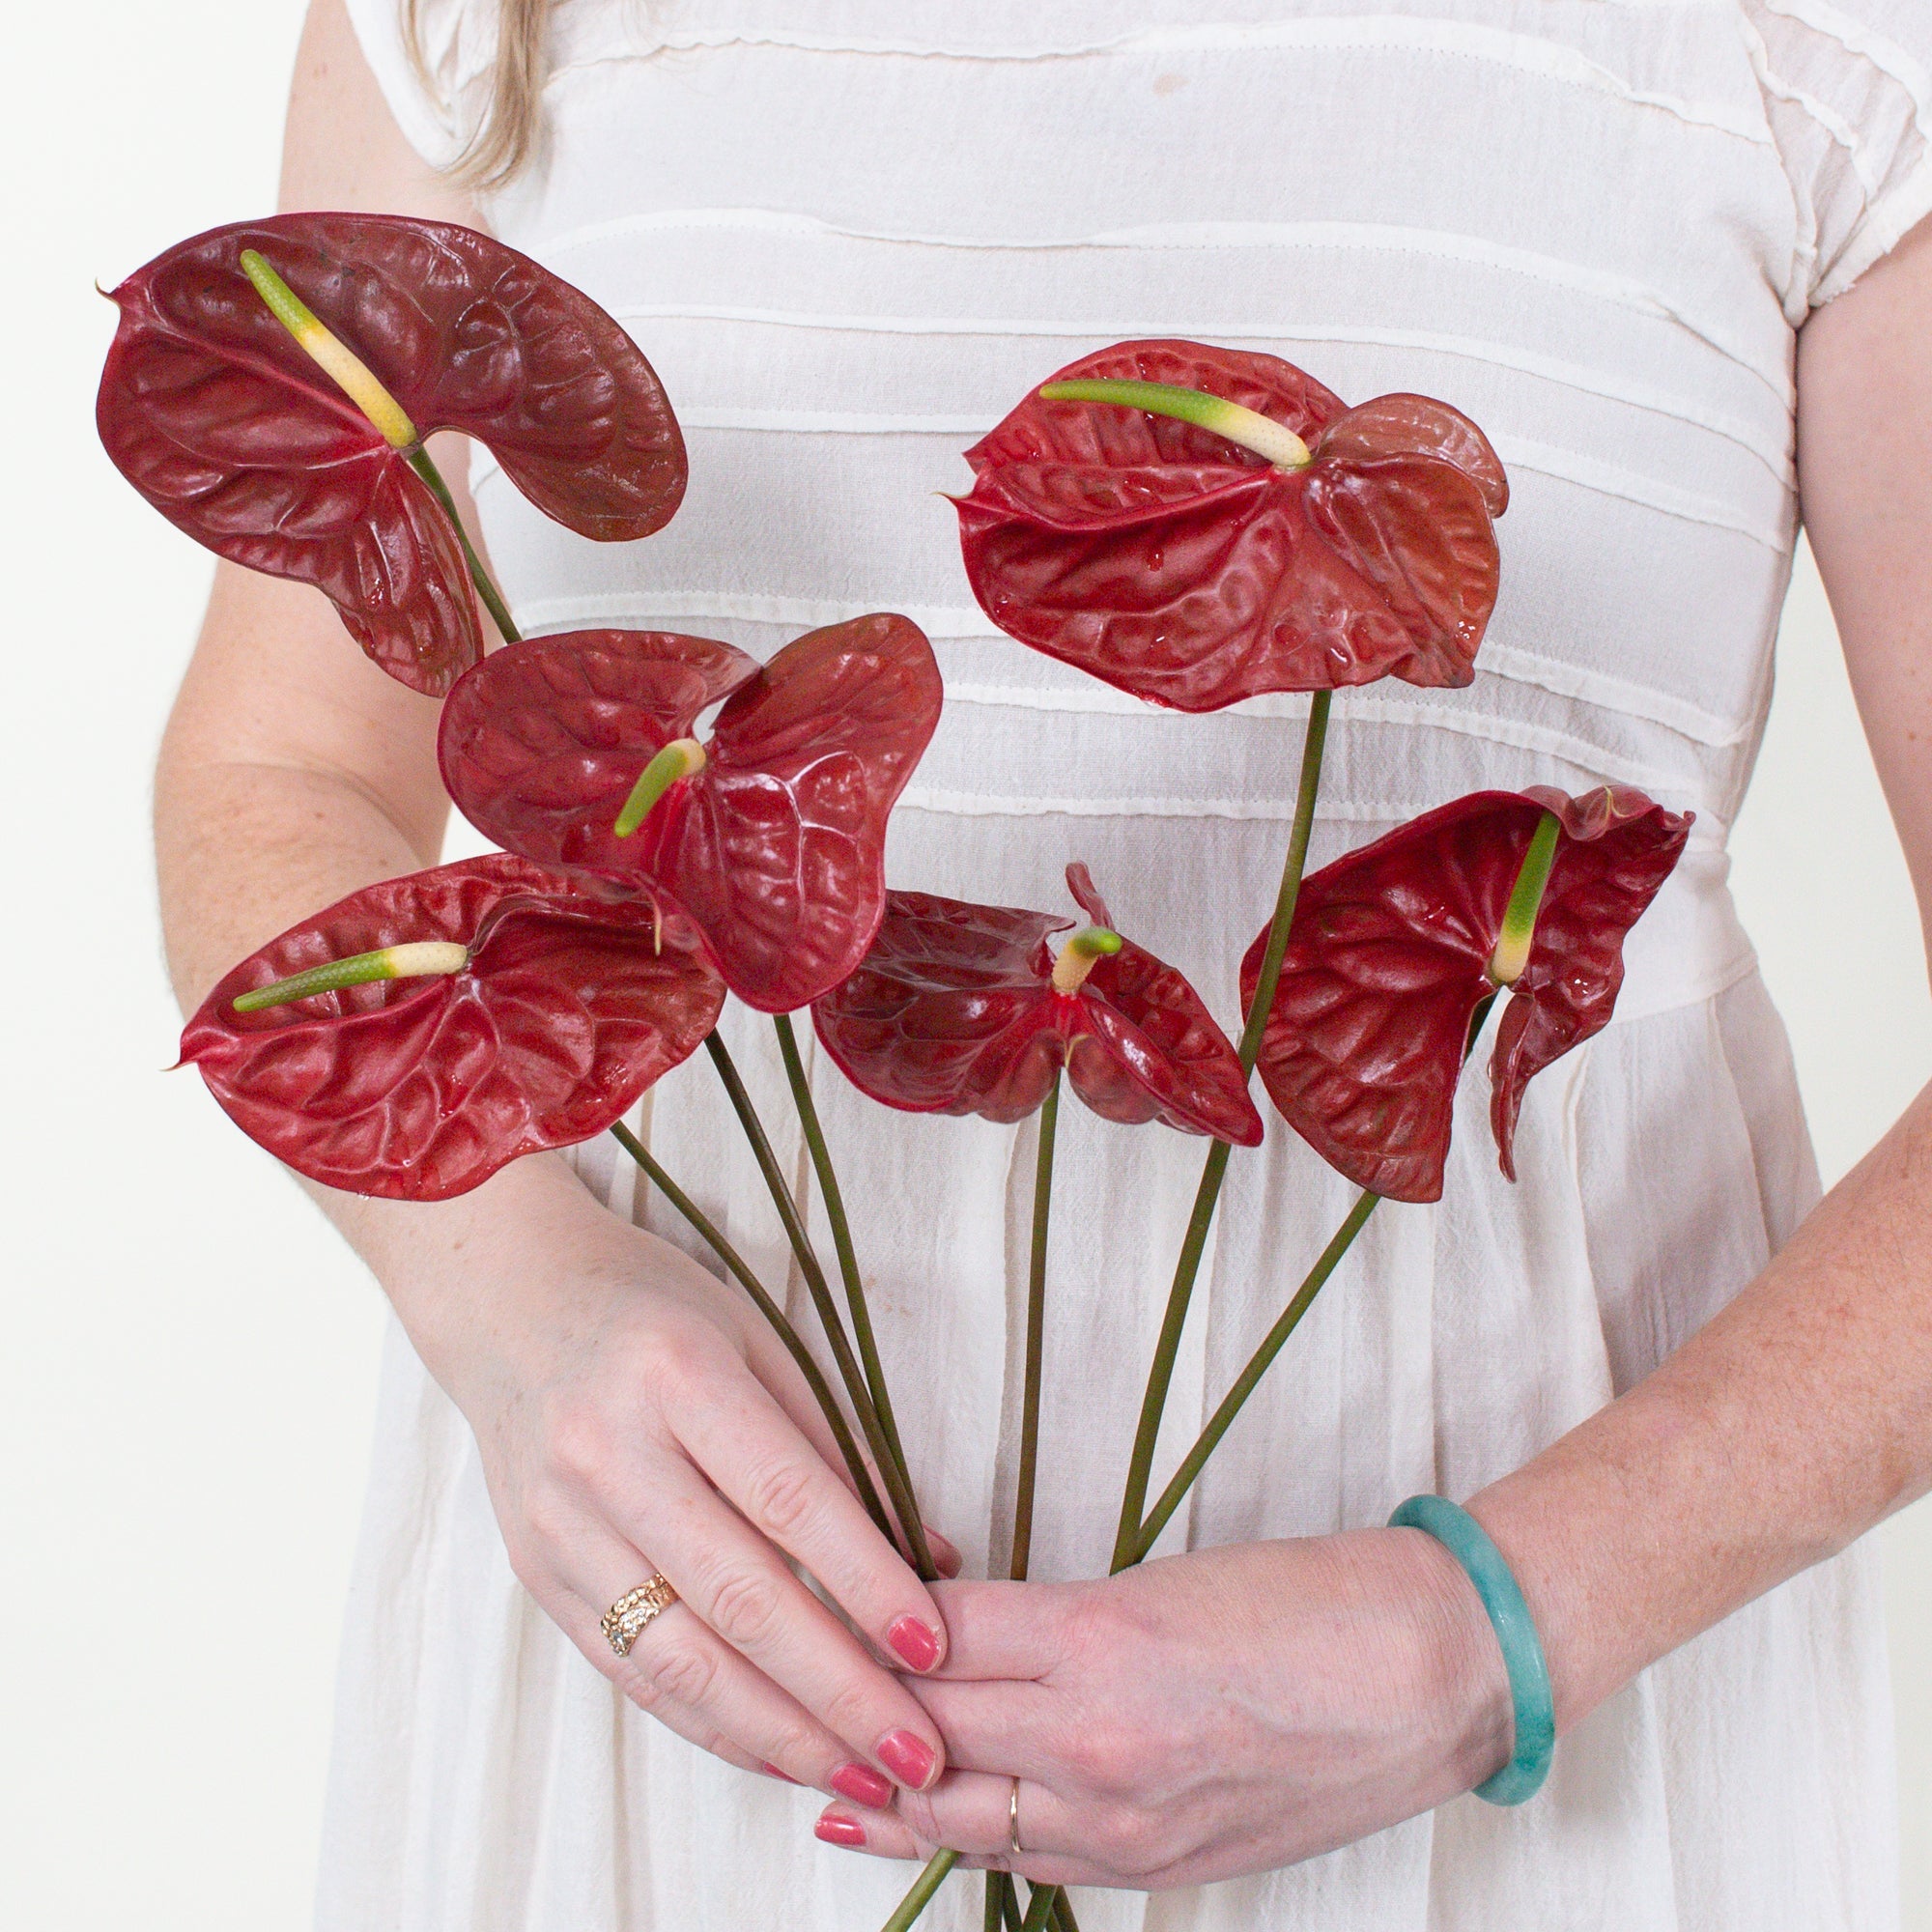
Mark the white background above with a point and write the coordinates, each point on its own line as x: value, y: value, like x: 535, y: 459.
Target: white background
x: 187, y: 1359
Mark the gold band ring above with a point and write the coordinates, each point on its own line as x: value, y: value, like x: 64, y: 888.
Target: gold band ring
x: 1013, y: 1821
x: 633, y: 1613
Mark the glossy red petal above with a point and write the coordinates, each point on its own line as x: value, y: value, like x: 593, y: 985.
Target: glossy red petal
x: 1619, y: 850
x: 1408, y: 425
x: 777, y: 847
x: 952, y: 1010
x: 1082, y: 890
x: 541, y: 743
x: 1146, y: 1048
x: 1386, y: 964
x: 419, y: 1089
x: 1175, y: 565
x: 219, y: 419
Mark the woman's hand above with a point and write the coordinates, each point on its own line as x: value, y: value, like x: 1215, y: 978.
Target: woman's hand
x: 634, y: 1415
x: 1205, y: 1716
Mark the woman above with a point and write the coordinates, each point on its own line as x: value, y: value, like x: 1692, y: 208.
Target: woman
x: 1673, y: 1384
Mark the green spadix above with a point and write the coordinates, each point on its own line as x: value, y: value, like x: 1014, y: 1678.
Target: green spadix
x: 1526, y: 901
x: 679, y: 759
x: 1247, y: 427
x: 350, y: 373
x: 1081, y: 953
x: 415, y: 959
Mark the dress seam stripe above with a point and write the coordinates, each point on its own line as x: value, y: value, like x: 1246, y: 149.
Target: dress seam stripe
x: 1566, y: 375
x: 1383, y: 34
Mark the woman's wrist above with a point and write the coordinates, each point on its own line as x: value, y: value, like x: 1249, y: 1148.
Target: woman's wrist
x: 483, y: 1285
x: 1463, y: 1667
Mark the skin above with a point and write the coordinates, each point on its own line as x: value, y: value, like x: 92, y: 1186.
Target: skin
x: 1222, y: 1712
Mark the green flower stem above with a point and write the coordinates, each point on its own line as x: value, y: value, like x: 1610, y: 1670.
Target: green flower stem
x: 1039, y: 1908
x: 922, y: 1888
x: 1036, y: 1336
x: 420, y: 461
x: 1214, y: 1169
x: 1246, y: 1383
x: 1062, y: 1913
x: 814, y: 1377
x: 1011, y: 1904
x: 993, y: 1918
x: 855, y: 1286
x: 904, y: 1505
x: 1250, y: 1377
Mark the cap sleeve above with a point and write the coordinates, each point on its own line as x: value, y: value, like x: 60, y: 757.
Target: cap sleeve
x: 439, y: 104
x: 1848, y: 92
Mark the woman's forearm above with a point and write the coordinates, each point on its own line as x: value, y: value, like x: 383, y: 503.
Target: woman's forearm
x: 1788, y: 1426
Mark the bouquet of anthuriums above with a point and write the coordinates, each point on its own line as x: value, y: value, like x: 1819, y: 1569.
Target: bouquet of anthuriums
x: 1192, y: 524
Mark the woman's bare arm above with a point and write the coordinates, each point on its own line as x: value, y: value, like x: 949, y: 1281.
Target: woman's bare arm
x: 1803, y: 1414
x: 632, y: 1414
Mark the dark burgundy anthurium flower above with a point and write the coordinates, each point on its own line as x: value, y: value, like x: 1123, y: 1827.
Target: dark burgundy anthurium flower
x: 771, y: 837
x: 965, y: 1009
x: 1395, y: 945
x: 446, y: 1023
x: 258, y: 435
x: 1272, y: 540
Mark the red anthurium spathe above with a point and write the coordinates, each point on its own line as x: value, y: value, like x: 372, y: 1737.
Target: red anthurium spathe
x: 771, y: 837
x: 1192, y: 571
x: 216, y: 411
x: 965, y: 1009
x: 1395, y: 945
x: 530, y: 1018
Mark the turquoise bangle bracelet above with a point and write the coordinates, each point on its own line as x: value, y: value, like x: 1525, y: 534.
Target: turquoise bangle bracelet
x: 1466, y: 1541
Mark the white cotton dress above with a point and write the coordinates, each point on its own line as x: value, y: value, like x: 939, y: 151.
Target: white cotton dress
x: 850, y: 234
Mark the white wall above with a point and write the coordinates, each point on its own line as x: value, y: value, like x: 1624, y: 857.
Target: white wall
x: 187, y: 1362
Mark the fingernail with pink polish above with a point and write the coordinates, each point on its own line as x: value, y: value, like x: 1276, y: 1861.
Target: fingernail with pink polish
x: 908, y: 1757
x: 835, y: 1829
x: 772, y: 1771
x: 862, y: 1785
x: 913, y: 1642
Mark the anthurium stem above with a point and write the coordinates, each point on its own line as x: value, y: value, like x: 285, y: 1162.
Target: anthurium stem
x: 821, y: 1389
x: 1062, y: 1913
x: 1036, y: 1336
x: 1272, y: 1344
x: 1238, y: 424
x: 922, y: 1888
x: 1039, y: 1908
x: 904, y: 1505
x: 1245, y: 1384
x: 848, y: 1268
x: 1216, y: 1167
x: 424, y: 465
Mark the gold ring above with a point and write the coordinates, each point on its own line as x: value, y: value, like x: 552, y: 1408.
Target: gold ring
x: 633, y: 1613
x: 1013, y: 1821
